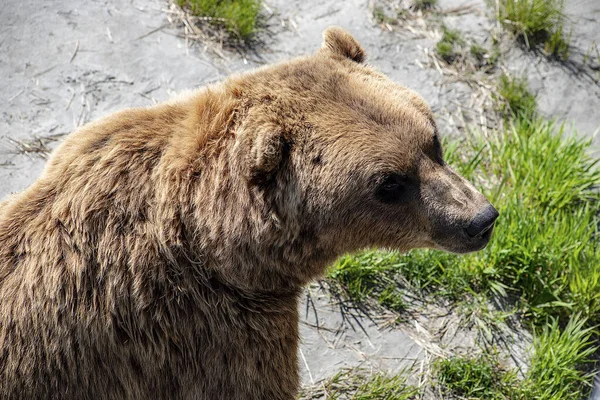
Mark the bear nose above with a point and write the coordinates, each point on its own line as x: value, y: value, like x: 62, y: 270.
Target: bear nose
x: 483, y: 221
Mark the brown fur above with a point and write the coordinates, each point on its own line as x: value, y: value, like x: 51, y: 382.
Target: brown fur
x: 161, y: 253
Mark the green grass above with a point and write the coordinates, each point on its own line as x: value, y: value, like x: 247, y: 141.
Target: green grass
x: 478, y: 52
x: 554, y: 372
x: 460, y: 52
x: 484, y: 57
x: 448, y: 48
x: 538, y: 23
x: 515, y: 97
x: 239, y: 17
x: 358, y: 385
x: 424, y: 4
x: 557, y: 356
x: 368, y: 275
x: 379, y: 15
x: 479, y: 377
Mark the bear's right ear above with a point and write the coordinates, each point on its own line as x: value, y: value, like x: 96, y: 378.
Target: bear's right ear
x: 339, y: 43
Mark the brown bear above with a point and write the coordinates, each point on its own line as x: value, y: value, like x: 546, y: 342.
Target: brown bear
x: 162, y: 252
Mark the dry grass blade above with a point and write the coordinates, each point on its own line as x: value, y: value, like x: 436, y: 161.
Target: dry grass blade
x: 74, y: 52
x: 37, y: 146
x: 462, y: 10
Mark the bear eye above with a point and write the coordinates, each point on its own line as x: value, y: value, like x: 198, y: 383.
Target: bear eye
x: 392, y: 188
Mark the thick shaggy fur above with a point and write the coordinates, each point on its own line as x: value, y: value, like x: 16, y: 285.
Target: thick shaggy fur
x: 162, y: 252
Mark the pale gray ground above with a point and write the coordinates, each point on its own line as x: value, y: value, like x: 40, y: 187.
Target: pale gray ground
x: 67, y: 62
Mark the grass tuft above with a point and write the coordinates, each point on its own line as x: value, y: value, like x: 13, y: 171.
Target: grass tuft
x: 555, y: 368
x: 239, y: 17
x: 423, y: 5
x: 356, y: 384
x: 379, y: 15
x: 555, y: 371
x: 537, y: 23
x: 484, y: 57
x: 515, y: 97
x: 476, y: 378
x: 448, y: 46
x: 478, y: 52
x: 367, y: 275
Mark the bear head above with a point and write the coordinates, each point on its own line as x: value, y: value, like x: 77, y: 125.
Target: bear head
x: 345, y: 156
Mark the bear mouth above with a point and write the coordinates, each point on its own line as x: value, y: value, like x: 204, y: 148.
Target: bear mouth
x: 480, y: 241
x: 484, y: 235
x: 465, y: 243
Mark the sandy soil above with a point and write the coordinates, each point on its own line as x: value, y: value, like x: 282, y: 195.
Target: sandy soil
x: 67, y: 62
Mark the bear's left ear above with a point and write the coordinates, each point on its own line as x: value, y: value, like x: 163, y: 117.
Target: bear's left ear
x: 266, y: 151
x: 339, y: 43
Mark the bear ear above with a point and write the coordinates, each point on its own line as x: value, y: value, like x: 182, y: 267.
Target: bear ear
x: 266, y: 153
x: 339, y: 43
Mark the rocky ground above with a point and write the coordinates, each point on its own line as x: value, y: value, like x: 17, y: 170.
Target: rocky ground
x: 68, y: 62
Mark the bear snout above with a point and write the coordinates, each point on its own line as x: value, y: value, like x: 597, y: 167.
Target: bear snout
x: 462, y: 218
